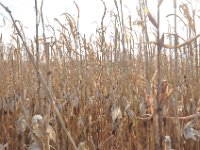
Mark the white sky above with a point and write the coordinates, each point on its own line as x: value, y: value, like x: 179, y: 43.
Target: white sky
x: 91, y: 12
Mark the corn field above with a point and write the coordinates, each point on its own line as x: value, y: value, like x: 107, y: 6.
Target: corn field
x: 132, y: 92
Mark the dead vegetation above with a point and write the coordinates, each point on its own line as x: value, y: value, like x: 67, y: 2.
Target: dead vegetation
x: 70, y: 92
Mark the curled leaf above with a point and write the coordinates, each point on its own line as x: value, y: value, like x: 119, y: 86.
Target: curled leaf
x: 180, y: 106
x: 130, y: 113
x: 75, y: 102
x: 80, y: 123
x: 151, y: 18
x: 189, y: 132
x: 38, y: 123
x: 21, y: 125
x: 36, y: 119
x: 35, y: 146
x: 116, y: 112
x: 90, y: 101
x: 191, y: 106
x: 160, y: 2
x: 82, y: 146
x: 142, y: 108
x: 10, y: 104
x: 51, y: 133
x: 167, y: 143
x: 4, y: 147
x: 161, y: 42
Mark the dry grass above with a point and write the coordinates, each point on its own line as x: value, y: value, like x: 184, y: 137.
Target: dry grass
x: 94, y: 94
